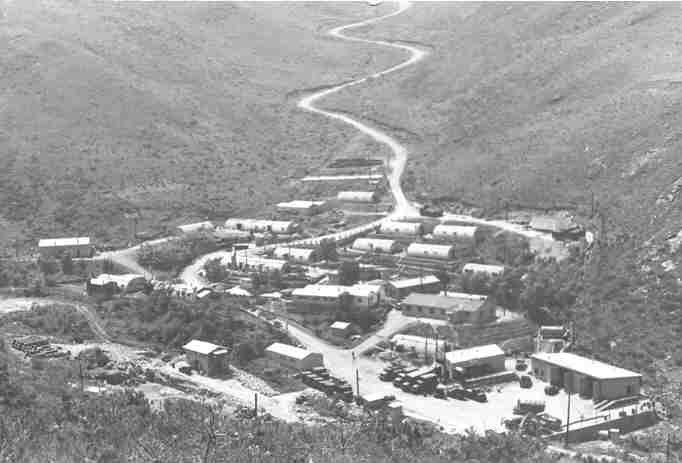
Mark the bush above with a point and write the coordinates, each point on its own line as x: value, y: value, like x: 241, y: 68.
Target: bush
x: 176, y: 253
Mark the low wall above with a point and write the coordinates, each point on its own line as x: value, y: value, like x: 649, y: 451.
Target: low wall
x: 625, y: 424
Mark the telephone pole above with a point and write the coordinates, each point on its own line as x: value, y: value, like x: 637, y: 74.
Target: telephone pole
x: 568, y: 417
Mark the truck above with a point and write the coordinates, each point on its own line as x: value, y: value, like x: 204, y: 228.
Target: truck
x: 400, y: 377
x: 424, y: 384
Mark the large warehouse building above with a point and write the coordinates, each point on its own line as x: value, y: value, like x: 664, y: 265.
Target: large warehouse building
x: 432, y: 251
x: 376, y: 245
x: 427, y: 284
x: 489, y: 358
x: 401, y: 228
x: 451, y: 307
x: 293, y: 357
x: 75, y: 247
x: 587, y: 377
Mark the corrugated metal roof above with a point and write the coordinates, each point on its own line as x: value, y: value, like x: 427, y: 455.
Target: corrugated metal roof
x: 190, y: 227
x: 588, y: 367
x: 294, y: 253
x: 202, y: 347
x: 58, y: 242
x: 376, y: 243
x: 288, y: 351
x: 120, y: 280
x: 401, y: 227
x: 414, y: 282
x: 473, y: 353
x: 455, y: 230
x: 551, y: 224
x: 362, y: 196
x: 429, y: 249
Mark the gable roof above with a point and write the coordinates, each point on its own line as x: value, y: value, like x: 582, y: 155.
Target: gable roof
x: 288, y: 350
x: 203, y: 347
x: 473, y: 353
x: 57, y: 242
x: 413, y: 282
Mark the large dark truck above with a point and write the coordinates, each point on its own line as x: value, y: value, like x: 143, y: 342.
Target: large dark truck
x: 430, y: 210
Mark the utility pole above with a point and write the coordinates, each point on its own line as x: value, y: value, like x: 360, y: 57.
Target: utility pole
x: 255, y: 404
x: 568, y: 417
x: 667, y: 450
x: 80, y: 372
x: 357, y: 382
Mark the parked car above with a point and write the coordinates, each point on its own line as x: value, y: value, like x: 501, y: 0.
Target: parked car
x: 525, y: 381
x: 552, y: 390
x: 457, y: 392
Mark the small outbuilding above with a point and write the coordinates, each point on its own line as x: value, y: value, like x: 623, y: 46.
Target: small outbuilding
x: 558, y: 226
x: 58, y: 247
x: 293, y: 357
x: 427, y: 284
x: 489, y: 270
x: 587, y: 377
x: 380, y: 245
x: 207, y: 358
x: 432, y: 251
x: 340, y: 329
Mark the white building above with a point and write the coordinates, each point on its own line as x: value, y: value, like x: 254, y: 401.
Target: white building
x: 489, y: 356
x: 75, y: 247
x: 401, y: 228
x: 587, y: 377
x: 315, y: 297
x: 293, y: 357
x: 301, y: 255
x: 357, y: 196
x: 195, y: 227
x: 455, y: 232
x: 490, y: 270
x: 302, y: 207
x: 432, y: 251
x: 258, y: 225
x: 252, y: 262
x: 376, y: 245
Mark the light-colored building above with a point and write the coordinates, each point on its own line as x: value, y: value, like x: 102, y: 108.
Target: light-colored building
x: 587, y: 377
x: 489, y: 270
x: 247, y: 261
x: 258, y: 225
x: 376, y: 245
x: 557, y: 225
x: 57, y: 247
x: 456, y: 232
x: 329, y: 296
x: 432, y: 251
x: 401, y: 228
x: 427, y: 284
x: 301, y: 255
x: 195, y: 227
x: 128, y: 283
x: 357, y: 196
x: 340, y: 329
x: 452, y: 308
x: 551, y: 339
x: 210, y: 359
x: 489, y: 356
x: 230, y: 234
x: 302, y: 207
x: 293, y: 357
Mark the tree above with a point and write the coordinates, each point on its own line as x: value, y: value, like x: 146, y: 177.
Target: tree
x: 215, y: 270
x: 327, y: 250
x: 444, y: 277
x: 349, y: 272
x: 49, y: 266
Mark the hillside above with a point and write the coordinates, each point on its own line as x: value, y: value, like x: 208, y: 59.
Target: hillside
x: 539, y: 105
x: 180, y: 111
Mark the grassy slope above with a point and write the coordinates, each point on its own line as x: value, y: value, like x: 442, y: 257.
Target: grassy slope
x: 183, y: 111
x: 539, y: 104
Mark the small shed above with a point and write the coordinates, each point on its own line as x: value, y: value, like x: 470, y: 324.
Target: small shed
x: 340, y: 329
x: 293, y: 357
x: 432, y: 251
x: 207, y: 358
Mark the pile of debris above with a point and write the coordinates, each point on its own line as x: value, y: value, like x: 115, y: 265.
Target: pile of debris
x: 38, y: 347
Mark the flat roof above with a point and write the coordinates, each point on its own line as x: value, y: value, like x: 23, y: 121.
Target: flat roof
x: 412, y: 282
x: 472, y: 297
x: 439, y: 301
x: 196, y: 226
x: 473, y: 353
x: 203, y: 347
x: 418, y: 247
x: 57, y: 242
x: 486, y: 268
x: 360, y: 290
x: 583, y: 365
x: 120, y: 280
x: 458, y: 230
x: 300, y: 204
x: 288, y: 350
